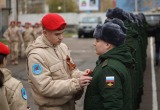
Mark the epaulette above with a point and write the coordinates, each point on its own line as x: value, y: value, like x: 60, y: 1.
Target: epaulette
x: 104, y: 63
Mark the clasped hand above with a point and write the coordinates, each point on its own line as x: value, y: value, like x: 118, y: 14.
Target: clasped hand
x: 85, y: 79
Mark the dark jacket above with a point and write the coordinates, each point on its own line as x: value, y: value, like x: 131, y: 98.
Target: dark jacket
x: 134, y: 41
x: 110, y: 88
x: 157, y: 35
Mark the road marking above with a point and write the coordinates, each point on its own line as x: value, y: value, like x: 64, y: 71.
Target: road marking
x: 154, y: 86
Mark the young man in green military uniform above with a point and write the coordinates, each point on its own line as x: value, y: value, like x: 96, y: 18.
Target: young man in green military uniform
x: 110, y: 88
x: 136, y: 39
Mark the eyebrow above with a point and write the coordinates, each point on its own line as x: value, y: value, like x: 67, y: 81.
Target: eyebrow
x: 59, y: 32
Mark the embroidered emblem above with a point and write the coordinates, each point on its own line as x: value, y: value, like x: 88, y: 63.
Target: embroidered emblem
x: 24, y: 93
x: 110, y: 81
x: 36, y: 69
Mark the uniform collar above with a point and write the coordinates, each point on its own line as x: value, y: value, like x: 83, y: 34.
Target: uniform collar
x: 7, y: 73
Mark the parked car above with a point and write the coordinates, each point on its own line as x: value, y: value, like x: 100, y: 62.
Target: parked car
x: 87, y: 25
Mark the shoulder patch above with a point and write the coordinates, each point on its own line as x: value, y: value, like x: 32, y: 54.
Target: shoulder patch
x: 110, y: 81
x: 24, y: 93
x: 36, y: 69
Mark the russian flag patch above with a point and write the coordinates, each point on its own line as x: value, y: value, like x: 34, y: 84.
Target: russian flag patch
x: 110, y: 81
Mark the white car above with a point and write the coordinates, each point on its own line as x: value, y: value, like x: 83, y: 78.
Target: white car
x: 87, y: 25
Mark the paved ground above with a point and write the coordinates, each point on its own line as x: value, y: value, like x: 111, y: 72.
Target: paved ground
x: 83, y: 54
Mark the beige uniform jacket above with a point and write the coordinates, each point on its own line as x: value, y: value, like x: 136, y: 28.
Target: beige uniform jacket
x: 13, y: 91
x: 3, y: 101
x: 53, y: 84
x: 37, y: 32
x: 13, y: 34
x: 28, y: 34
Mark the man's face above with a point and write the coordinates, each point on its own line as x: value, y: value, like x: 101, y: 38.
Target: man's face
x: 19, y: 24
x: 101, y: 47
x: 12, y: 24
x: 36, y: 25
x: 54, y: 37
x: 27, y: 25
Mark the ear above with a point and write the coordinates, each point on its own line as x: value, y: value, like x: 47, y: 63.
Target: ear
x: 4, y: 61
x: 109, y: 46
x: 44, y: 31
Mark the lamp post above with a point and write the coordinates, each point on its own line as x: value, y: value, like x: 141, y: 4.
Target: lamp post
x: 136, y: 5
x: 17, y: 11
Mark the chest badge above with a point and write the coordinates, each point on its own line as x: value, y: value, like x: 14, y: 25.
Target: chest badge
x: 36, y: 69
x: 110, y: 81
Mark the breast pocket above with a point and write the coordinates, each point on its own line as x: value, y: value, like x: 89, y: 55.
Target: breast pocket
x: 57, y: 71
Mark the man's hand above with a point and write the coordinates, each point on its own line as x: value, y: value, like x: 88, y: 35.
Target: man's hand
x: 84, y: 80
x: 88, y: 72
x: 28, y: 108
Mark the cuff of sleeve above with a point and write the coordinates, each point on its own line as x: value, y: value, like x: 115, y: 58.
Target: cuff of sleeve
x: 77, y: 85
x: 77, y: 73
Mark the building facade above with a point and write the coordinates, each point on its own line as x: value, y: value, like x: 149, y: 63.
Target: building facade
x: 5, y: 10
x: 11, y: 9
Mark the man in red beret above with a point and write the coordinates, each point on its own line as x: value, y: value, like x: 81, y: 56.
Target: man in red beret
x: 55, y: 81
x: 21, y: 43
x: 37, y: 30
x: 28, y: 36
x: 13, y: 36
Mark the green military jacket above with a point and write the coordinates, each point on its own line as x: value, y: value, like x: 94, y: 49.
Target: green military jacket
x: 110, y: 88
x: 134, y: 41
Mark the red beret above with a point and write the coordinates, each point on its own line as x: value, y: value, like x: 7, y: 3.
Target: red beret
x: 36, y: 23
x: 4, y: 49
x: 12, y: 22
x: 27, y: 23
x: 53, y: 21
x: 18, y: 22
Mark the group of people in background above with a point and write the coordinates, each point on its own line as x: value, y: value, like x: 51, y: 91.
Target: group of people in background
x: 19, y: 37
x: 116, y: 83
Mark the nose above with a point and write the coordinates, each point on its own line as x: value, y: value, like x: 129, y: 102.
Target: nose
x: 94, y: 43
x: 60, y: 36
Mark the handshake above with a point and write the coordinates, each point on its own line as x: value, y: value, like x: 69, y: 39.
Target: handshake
x: 85, y: 79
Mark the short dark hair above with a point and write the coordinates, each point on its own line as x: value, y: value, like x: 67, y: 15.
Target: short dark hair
x: 1, y: 78
x: 2, y: 56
